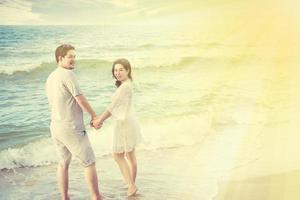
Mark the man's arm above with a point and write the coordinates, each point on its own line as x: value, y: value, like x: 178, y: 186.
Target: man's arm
x: 85, y: 106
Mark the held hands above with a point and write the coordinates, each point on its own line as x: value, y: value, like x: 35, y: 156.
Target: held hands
x: 96, y: 122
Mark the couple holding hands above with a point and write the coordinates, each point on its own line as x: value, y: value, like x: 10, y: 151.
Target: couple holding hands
x: 67, y: 103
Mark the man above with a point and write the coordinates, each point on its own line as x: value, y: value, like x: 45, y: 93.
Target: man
x: 67, y: 104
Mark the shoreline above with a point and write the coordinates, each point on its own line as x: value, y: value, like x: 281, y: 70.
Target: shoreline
x: 170, y: 173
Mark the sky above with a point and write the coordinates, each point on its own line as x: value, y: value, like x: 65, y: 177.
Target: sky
x: 103, y: 12
x: 86, y: 12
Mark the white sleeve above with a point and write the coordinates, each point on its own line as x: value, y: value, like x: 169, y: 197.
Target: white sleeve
x: 120, y: 105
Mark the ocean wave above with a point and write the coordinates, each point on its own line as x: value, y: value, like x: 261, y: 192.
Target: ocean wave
x: 46, y: 66
x: 25, y: 69
x: 151, y: 46
x: 166, y: 62
x: 85, y: 64
x: 172, y: 132
x: 183, y: 45
x: 34, y: 154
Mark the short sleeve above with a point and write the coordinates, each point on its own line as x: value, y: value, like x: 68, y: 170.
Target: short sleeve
x: 121, y: 101
x: 71, y: 83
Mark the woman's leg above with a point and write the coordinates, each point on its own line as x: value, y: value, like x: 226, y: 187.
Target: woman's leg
x: 132, y: 164
x: 125, y: 170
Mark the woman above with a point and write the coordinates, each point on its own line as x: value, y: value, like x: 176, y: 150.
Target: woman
x: 127, y: 130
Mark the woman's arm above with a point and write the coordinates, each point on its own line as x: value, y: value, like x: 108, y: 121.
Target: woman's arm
x: 97, y: 123
x: 118, y: 108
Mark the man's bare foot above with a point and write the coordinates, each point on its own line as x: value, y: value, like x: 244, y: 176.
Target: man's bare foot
x: 98, y: 197
x: 66, y: 198
x: 102, y: 196
x: 131, y: 190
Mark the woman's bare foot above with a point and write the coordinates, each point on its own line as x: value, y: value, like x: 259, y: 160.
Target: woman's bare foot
x: 131, y: 190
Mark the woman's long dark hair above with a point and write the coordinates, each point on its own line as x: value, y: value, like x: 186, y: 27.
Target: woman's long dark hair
x: 125, y: 63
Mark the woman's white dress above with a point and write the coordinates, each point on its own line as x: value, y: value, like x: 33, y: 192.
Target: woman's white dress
x: 127, y: 133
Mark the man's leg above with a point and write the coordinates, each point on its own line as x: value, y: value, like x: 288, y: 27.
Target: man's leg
x: 92, y: 181
x: 65, y: 158
x: 63, y: 180
x: 80, y: 147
